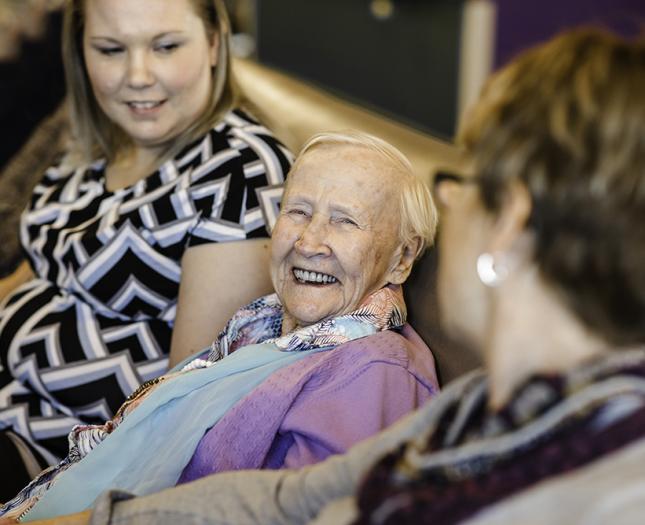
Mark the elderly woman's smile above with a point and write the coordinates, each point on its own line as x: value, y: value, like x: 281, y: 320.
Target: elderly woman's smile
x: 313, y: 277
x: 337, y: 238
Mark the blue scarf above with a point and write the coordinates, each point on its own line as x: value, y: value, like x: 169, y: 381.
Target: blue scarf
x: 147, y: 450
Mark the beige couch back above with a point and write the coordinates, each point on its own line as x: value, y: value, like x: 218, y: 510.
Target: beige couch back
x: 295, y: 110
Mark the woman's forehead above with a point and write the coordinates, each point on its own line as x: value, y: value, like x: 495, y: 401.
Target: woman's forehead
x: 342, y: 165
x: 137, y: 17
x: 344, y: 182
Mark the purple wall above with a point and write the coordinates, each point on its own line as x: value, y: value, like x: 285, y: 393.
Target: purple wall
x: 522, y: 23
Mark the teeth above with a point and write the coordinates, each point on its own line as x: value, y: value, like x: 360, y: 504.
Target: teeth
x: 313, y: 277
x: 143, y: 105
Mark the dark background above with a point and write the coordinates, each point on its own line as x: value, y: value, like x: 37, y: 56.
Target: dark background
x: 406, y: 66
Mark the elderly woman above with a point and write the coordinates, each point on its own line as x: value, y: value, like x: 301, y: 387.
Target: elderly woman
x: 541, y: 267
x: 296, y: 376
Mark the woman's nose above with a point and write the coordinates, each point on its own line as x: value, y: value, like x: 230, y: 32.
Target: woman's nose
x: 139, y: 74
x: 313, y: 240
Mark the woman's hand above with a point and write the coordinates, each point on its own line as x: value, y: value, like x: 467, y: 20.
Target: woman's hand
x: 216, y: 280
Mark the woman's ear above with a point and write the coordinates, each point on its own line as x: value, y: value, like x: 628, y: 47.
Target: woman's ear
x: 404, y: 258
x: 214, y: 48
x: 510, y: 225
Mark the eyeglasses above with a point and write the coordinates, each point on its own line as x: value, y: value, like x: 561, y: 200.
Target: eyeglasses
x: 443, y: 176
x: 446, y: 176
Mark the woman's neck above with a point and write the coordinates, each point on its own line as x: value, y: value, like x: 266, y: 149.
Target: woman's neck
x: 533, y: 332
x: 129, y: 167
x: 289, y: 323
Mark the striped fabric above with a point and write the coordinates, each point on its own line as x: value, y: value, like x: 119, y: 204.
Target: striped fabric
x: 97, y: 320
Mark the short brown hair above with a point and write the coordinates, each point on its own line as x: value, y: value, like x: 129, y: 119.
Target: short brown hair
x: 567, y: 119
x: 97, y: 136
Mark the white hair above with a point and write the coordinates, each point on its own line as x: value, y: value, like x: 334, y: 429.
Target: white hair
x: 418, y: 213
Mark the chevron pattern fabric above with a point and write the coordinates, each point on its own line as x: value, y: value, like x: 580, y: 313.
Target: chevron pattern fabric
x: 96, y: 321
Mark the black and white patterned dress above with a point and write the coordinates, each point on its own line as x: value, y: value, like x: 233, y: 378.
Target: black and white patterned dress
x: 97, y: 320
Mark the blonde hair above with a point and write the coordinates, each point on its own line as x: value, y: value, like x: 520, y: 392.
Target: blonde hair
x: 567, y: 120
x: 94, y: 134
x: 418, y: 212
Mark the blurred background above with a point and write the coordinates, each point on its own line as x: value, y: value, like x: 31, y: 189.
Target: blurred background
x: 421, y: 62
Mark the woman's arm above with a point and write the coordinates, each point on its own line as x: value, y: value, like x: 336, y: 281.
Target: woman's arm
x: 22, y: 274
x: 268, y: 497
x: 216, y: 280
x: 255, y: 497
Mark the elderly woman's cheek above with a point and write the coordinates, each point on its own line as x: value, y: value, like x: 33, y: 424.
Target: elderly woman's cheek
x: 385, y: 246
x: 279, y: 243
x: 369, y: 266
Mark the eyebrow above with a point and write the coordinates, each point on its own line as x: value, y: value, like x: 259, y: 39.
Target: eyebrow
x: 348, y: 211
x: 302, y: 199
x: 177, y: 32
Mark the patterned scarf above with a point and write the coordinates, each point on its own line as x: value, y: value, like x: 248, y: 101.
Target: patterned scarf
x: 258, y: 322
x: 255, y: 327
x: 472, y: 457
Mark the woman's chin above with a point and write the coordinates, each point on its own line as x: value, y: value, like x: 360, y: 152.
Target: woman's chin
x: 310, y: 304
x: 304, y: 315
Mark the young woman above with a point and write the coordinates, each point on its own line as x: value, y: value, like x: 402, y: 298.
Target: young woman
x: 148, y: 236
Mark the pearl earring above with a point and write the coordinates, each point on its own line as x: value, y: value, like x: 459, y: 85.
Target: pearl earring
x: 492, y: 273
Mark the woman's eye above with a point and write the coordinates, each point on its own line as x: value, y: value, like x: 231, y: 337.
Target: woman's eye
x: 295, y: 212
x: 166, y: 48
x: 346, y: 220
x: 109, y: 51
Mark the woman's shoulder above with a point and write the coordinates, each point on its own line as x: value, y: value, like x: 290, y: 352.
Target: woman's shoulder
x: 394, y: 353
x: 387, y: 352
x: 399, y: 347
x: 238, y: 142
x: 242, y: 120
x: 242, y: 131
x: 238, y: 125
